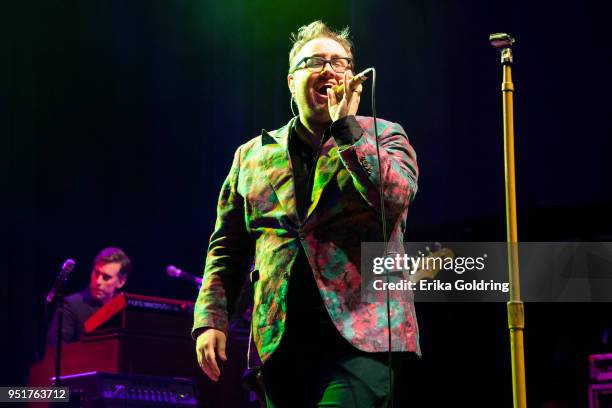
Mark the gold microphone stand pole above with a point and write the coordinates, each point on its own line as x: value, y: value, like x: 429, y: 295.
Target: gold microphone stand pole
x: 516, y: 319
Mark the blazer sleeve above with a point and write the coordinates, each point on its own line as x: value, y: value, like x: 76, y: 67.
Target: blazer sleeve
x: 229, y: 256
x: 357, y: 150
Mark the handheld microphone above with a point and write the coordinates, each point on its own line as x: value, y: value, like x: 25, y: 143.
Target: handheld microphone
x: 175, y: 272
x: 67, y: 267
x: 359, y: 79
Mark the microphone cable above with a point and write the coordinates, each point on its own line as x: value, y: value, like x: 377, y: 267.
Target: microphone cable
x: 383, y: 221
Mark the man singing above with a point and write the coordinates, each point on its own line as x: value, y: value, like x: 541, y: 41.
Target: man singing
x: 299, y: 201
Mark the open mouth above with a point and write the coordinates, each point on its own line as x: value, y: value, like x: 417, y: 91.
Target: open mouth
x: 322, y: 90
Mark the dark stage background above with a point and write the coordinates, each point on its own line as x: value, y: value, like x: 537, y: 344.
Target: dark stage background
x: 120, y: 118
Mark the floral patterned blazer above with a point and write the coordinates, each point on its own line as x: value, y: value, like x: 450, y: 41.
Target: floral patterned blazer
x: 257, y: 220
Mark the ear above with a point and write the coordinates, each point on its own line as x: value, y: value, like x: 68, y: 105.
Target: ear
x: 122, y: 280
x: 290, y: 83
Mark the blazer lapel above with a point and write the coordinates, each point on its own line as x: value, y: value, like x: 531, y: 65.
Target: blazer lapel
x: 277, y: 164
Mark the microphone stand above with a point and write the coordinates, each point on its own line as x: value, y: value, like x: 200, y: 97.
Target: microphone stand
x: 516, y: 313
x: 59, y: 337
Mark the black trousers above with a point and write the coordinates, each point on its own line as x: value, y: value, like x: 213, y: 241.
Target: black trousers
x: 315, y: 366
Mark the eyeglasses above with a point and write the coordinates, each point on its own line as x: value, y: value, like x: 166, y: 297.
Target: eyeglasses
x: 317, y: 64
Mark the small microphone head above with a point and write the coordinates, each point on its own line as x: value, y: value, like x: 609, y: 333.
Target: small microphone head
x: 173, y: 271
x: 68, y: 266
x: 360, y: 78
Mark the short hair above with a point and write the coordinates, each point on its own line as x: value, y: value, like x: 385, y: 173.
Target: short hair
x: 112, y: 254
x: 318, y: 29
